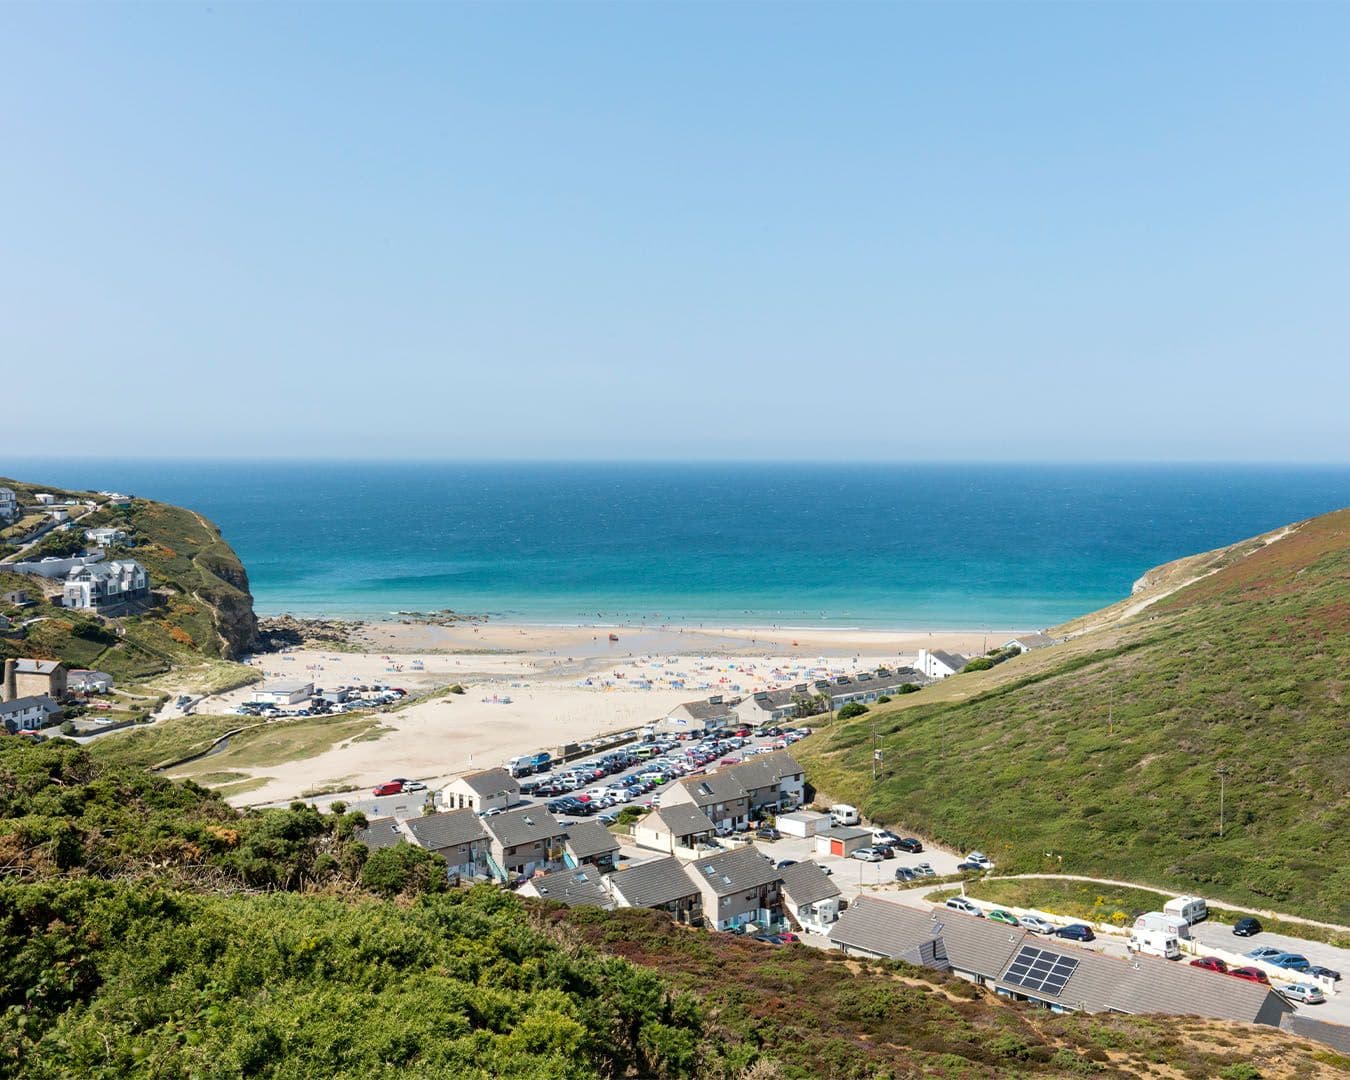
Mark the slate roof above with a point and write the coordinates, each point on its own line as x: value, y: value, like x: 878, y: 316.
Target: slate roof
x: 488, y: 782
x: 449, y: 829
x: 380, y: 832
x: 1098, y: 983
x: 587, y: 838
x: 955, y: 661
x: 1031, y: 641
x: 654, y: 883
x: 682, y: 819
x: 765, y: 770
x: 706, y: 710
x: 572, y: 887
x: 516, y: 827
x: 734, y: 871
x: 806, y: 883
x: 35, y: 667
x: 716, y: 787
x: 864, y: 682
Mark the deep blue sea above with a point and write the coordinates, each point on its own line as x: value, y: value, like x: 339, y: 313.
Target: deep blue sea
x: 893, y: 546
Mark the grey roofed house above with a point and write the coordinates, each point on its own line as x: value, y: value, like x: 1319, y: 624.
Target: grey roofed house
x: 586, y: 839
x: 488, y: 782
x: 706, y: 710
x: 654, y: 883
x: 844, y: 832
x: 992, y: 954
x: 570, y: 887
x: 380, y: 832
x: 765, y: 770
x: 435, y: 832
x: 527, y: 826
x: 806, y: 883
x: 955, y: 661
x: 1027, y: 642
x: 24, y: 666
x: 683, y: 819
x: 734, y: 871
x: 715, y: 787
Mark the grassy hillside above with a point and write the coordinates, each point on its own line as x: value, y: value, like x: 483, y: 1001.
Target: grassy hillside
x: 203, y: 613
x: 1102, y: 756
x: 148, y: 930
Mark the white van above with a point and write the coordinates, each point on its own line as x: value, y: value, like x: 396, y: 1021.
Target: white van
x: 1157, y: 920
x: 1155, y: 943
x: 1190, y: 908
x: 843, y: 814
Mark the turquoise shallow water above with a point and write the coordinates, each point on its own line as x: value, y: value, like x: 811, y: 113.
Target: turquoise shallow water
x: 909, y: 546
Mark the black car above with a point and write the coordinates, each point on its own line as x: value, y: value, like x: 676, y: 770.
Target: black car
x: 909, y: 844
x: 1324, y: 973
x: 1076, y: 932
x: 783, y: 864
x: 1247, y: 927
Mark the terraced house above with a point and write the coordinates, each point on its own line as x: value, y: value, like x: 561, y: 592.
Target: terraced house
x: 662, y: 885
x: 524, y: 842
x: 719, y: 795
x: 771, y: 781
x: 738, y: 887
x: 458, y: 837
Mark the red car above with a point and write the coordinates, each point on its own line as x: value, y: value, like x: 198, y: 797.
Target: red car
x: 1251, y: 974
x: 1210, y: 963
x: 789, y: 936
x: 391, y: 788
x: 743, y: 733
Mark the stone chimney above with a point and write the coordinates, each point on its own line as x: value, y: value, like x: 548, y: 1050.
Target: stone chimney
x: 11, y: 690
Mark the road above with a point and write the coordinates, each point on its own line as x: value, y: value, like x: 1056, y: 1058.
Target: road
x: 18, y: 556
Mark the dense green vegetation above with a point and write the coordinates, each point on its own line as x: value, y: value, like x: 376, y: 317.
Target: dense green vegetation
x: 1107, y: 763
x: 146, y: 929
x: 203, y: 610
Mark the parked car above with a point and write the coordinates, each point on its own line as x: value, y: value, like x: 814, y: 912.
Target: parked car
x: 783, y: 864
x: 968, y: 867
x: 1210, y: 963
x: 1251, y: 974
x: 960, y: 903
x: 924, y: 869
x: 789, y: 937
x: 999, y: 915
x: 1264, y: 952
x: 1324, y: 973
x: 1037, y: 925
x: 1076, y: 932
x: 1290, y: 962
x: 393, y: 787
x: 904, y: 873
x: 1306, y: 993
x: 910, y: 844
x: 980, y: 860
x: 768, y: 834
x: 1247, y: 927
x: 867, y: 854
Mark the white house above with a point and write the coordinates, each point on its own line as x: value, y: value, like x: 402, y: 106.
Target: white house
x: 284, y: 692
x: 100, y: 585
x: 106, y: 536
x: 59, y: 514
x: 28, y: 713
x: 45, y: 499
x: 938, y: 664
x: 488, y: 789
x: 85, y: 681
x: 696, y: 717
x: 9, y: 505
x: 810, y: 896
x: 1026, y: 642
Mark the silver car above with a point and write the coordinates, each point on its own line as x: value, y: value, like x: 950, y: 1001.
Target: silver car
x: 1037, y: 925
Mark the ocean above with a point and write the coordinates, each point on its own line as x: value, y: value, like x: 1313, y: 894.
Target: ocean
x: 838, y: 546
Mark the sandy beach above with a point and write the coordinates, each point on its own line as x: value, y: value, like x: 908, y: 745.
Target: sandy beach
x: 536, y: 687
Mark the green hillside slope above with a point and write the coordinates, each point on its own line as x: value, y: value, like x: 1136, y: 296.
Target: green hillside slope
x: 203, y: 609
x: 1103, y: 755
x: 146, y: 929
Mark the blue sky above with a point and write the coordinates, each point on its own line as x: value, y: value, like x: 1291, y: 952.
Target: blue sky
x: 718, y: 231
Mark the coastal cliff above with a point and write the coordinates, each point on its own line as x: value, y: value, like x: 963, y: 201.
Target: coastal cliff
x: 200, y: 607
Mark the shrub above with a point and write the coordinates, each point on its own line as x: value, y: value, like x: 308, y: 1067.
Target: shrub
x: 852, y: 709
x: 980, y: 663
x: 883, y: 698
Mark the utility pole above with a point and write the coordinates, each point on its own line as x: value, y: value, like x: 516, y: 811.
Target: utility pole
x: 1223, y: 780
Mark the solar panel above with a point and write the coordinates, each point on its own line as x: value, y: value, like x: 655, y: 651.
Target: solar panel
x: 1040, y: 970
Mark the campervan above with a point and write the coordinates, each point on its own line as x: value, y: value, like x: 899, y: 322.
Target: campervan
x: 1157, y: 920
x: 1155, y: 943
x: 843, y: 814
x: 1190, y: 908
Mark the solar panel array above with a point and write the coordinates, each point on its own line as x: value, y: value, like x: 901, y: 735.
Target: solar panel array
x: 1040, y: 970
